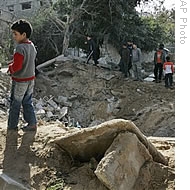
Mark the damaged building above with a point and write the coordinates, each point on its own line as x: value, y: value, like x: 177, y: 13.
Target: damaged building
x: 23, y: 8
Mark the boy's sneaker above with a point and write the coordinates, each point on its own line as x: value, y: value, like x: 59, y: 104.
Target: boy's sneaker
x: 29, y: 128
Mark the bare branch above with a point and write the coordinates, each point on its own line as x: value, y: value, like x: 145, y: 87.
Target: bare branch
x: 83, y: 3
x: 110, y: 8
x: 6, y: 21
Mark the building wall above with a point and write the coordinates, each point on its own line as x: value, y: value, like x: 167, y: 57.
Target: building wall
x: 21, y: 8
x: 5, y: 20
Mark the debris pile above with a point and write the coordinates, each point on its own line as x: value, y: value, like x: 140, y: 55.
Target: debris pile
x: 55, y: 109
x: 4, y: 94
x: 96, y: 94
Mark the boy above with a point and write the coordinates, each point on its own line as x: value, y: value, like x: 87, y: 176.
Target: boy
x: 22, y: 71
x: 169, y: 70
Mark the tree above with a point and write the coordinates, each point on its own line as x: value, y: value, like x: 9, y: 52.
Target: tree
x: 66, y: 23
x: 78, y: 17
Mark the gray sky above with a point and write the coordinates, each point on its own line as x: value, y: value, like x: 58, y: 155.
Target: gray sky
x: 169, y: 4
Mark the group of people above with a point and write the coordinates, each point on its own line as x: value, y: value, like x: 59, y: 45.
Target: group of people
x: 162, y: 63
x: 131, y: 58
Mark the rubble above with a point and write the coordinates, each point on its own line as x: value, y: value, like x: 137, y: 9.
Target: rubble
x: 88, y: 91
x: 52, y: 109
x: 77, y: 106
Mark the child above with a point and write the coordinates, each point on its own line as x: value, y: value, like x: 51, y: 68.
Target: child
x: 169, y: 70
x: 22, y: 71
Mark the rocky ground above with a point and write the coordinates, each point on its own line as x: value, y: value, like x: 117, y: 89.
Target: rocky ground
x: 69, y: 98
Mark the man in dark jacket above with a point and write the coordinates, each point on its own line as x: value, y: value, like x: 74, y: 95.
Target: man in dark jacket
x: 125, y: 60
x: 93, y: 50
x: 130, y: 47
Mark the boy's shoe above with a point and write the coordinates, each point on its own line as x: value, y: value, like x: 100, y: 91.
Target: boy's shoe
x: 29, y: 128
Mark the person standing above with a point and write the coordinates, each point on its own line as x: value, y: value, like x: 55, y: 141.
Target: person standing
x: 125, y: 59
x: 93, y: 50
x: 159, y: 59
x: 130, y: 48
x: 136, y: 62
x: 169, y: 70
x: 22, y: 71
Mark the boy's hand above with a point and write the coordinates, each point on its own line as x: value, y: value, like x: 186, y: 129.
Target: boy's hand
x: 8, y: 72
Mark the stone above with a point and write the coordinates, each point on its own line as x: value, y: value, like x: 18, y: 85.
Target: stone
x: 62, y: 99
x: 64, y: 111
x: 40, y: 112
x: 39, y: 104
x: 49, y: 114
x: 119, y: 169
x: 53, y: 104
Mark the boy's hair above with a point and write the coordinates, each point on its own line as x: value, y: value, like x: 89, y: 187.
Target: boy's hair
x: 167, y: 58
x: 22, y: 26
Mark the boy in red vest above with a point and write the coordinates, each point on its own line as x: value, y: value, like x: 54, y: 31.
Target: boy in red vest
x: 169, y: 70
x: 159, y: 59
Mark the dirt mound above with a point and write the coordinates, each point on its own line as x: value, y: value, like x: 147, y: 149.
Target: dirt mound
x: 96, y: 95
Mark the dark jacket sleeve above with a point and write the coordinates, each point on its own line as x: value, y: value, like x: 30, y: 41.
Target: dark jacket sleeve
x: 125, y: 55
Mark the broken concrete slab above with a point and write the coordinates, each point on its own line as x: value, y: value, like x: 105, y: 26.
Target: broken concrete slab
x: 119, y: 169
x: 121, y: 150
x: 93, y: 142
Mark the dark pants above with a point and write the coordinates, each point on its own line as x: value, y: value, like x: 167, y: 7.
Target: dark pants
x: 94, y: 56
x: 168, y: 79
x: 124, y: 68
x: 158, y: 70
x: 129, y: 67
x: 121, y: 67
